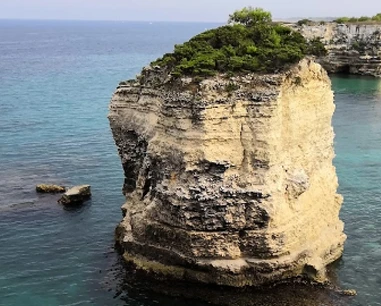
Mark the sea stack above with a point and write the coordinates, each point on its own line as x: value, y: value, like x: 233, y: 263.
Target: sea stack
x: 229, y: 178
x: 234, y: 188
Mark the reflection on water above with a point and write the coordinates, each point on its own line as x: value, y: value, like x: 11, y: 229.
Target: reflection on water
x: 136, y: 285
x: 352, y: 84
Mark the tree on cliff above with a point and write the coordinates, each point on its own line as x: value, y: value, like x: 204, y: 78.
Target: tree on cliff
x: 249, y: 16
x: 250, y: 43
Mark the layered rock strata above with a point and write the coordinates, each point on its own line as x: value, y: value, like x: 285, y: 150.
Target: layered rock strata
x: 352, y: 48
x: 229, y: 180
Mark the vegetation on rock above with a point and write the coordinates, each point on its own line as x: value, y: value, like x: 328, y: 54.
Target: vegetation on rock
x: 309, y: 22
x: 305, y: 22
x: 359, y: 45
x: 250, y: 16
x: 250, y: 43
x: 375, y: 18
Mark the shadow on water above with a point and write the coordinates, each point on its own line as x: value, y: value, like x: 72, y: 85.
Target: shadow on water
x: 130, y: 284
x: 77, y: 208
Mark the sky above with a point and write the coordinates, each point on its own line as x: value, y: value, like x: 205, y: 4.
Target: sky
x: 179, y: 10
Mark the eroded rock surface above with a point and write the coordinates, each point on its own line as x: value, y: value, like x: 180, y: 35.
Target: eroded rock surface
x: 229, y: 181
x: 352, y: 48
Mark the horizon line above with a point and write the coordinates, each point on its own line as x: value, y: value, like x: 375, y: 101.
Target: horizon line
x: 149, y: 21
x: 108, y: 20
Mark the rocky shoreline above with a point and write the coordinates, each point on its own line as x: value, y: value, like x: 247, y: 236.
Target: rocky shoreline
x: 352, y: 48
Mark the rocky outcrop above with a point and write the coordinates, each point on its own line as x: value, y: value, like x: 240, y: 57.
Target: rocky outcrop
x: 352, y: 48
x: 43, y: 188
x: 229, y: 180
x: 76, y: 195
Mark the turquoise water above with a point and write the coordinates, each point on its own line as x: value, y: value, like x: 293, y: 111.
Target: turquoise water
x: 56, y: 79
x: 357, y: 124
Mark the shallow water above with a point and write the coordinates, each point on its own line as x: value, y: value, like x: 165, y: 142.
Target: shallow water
x: 56, y: 79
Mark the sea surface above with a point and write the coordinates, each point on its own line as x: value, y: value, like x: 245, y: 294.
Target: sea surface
x: 56, y: 80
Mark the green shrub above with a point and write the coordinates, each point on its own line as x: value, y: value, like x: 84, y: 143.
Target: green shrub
x: 375, y: 18
x: 250, y: 16
x: 364, y: 18
x: 316, y: 47
x: 305, y: 21
x: 342, y: 20
x: 251, y: 44
x: 359, y: 45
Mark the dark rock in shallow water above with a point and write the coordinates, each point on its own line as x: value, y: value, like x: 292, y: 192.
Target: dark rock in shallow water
x: 76, y: 195
x: 43, y: 188
x: 295, y: 292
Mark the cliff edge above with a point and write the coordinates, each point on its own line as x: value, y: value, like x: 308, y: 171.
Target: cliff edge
x: 229, y: 180
x: 352, y: 48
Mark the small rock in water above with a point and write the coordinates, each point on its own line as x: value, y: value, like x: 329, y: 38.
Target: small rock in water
x: 43, y: 188
x: 349, y: 292
x: 76, y: 195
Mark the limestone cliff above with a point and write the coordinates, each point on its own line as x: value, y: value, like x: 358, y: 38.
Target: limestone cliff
x: 229, y: 180
x: 352, y: 48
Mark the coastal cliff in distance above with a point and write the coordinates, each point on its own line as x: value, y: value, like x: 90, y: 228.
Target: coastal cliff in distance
x: 229, y: 180
x: 352, y: 48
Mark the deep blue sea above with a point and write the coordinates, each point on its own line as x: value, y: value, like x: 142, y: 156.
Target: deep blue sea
x: 56, y: 80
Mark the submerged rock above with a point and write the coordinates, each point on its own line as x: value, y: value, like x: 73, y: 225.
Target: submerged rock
x: 43, y: 188
x: 76, y: 195
x: 229, y: 181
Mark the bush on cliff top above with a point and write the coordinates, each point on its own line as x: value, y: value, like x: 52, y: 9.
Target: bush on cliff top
x: 250, y: 16
x: 375, y: 18
x: 305, y: 22
x: 250, y: 43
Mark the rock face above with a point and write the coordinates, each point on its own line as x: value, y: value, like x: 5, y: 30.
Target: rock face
x: 229, y: 181
x: 76, y: 195
x: 352, y: 48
